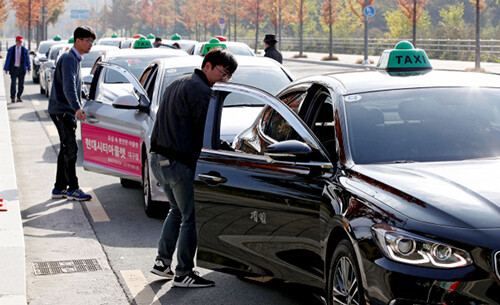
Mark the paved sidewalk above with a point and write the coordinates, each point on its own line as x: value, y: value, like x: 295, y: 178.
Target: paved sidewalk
x: 346, y: 60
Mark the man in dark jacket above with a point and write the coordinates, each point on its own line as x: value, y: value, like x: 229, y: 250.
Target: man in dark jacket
x: 65, y: 106
x: 17, y: 64
x: 270, y: 51
x: 176, y: 143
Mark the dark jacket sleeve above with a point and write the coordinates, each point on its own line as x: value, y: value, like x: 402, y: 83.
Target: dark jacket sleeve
x: 69, y: 76
x: 6, y: 65
x: 27, y: 64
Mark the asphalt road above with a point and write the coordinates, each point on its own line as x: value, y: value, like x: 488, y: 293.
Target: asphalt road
x: 110, y: 235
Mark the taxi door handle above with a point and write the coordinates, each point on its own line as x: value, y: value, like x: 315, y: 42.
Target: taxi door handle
x: 92, y: 120
x: 211, y: 178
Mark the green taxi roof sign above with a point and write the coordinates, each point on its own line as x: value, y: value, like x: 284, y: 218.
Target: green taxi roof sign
x: 142, y: 43
x: 150, y: 36
x: 213, y: 43
x: 114, y: 35
x: 404, y: 57
x: 176, y: 37
x: 57, y: 38
x: 71, y: 40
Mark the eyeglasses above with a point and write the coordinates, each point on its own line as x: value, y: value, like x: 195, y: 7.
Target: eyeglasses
x: 89, y: 41
x: 225, y: 75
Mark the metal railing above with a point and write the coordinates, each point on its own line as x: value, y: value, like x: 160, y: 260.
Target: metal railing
x: 377, y: 45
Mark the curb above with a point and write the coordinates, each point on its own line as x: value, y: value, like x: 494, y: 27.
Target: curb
x: 12, y: 248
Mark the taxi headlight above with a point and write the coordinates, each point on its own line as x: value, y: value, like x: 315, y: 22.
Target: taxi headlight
x: 408, y: 248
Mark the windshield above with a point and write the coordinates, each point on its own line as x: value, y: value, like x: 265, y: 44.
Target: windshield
x: 45, y: 46
x: 240, y: 50
x: 89, y: 59
x: 114, y: 42
x: 270, y: 79
x: 54, y: 51
x: 135, y: 65
x: 419, y: 125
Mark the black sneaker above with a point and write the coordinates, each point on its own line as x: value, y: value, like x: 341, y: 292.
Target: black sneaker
x: 192, y: 280
x: 160, y: 269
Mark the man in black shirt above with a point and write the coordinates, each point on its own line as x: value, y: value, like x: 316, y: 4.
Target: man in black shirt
x: 176, y: 144
x: 270, y: 51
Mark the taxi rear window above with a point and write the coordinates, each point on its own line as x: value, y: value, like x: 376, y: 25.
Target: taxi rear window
x: 423, y: 125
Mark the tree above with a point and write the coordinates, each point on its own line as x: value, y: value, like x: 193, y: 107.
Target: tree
x: 232, y: 9
x: 400, y: 27
x: 164, y: 14
x: 452, y: 23
x: 279, y: 17
x: 122, y: 17
x: 347, y: 24
x: 329, y: 14
x: 413, y: 10
x: 3, y: 12
x: 254, y: 12
x: 479, y: 5
x: 188, y: 13
x: 298, y: 9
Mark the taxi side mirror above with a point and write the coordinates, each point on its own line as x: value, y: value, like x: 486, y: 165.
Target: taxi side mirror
x: 126, y: 102
x: 129, y: 101
x: 32, y: 53
x: 290, y: 151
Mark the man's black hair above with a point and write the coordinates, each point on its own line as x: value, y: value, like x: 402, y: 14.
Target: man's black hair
x: 84, y: 31
x: 218, y: 56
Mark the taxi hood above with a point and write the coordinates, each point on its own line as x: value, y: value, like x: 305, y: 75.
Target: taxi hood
x: 463, y: 194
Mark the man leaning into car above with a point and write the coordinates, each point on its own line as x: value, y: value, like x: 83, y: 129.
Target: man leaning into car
x: 176, y: 144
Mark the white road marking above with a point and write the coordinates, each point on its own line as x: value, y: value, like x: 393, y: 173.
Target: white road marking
x: 51, y: 130
x: 42, y: 114
x: 95, y: 208
x: 139, y: 288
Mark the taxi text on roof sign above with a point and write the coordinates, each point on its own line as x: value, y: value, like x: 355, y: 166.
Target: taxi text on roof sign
x: 404, y: 57
x: 142, y: 43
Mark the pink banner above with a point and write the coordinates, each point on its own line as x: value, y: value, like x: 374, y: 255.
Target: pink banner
x: 114, y: 150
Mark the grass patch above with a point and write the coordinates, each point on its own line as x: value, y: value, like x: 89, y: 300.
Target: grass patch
x: 360, y: 61
x: 299, y: 56
x: 327, y: 57
x: 474, y: 70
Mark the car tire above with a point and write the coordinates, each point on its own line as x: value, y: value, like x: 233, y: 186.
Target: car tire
x: 126, y: 183
x: 42, y: 91
x: 47, y: 91
x: 154, y: 209
x: 36, y: 80
x: 344, y: 267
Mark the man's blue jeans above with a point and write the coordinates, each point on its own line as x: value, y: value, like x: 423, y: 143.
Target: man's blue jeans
x: 179, y: 227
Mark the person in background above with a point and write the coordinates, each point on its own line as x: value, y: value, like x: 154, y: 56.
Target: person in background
x: 17, y: 64
x: 157, y: 42
x: 271, y: 51
x: 65, y: 106
x: 175, y: 45
x: 176, y: 144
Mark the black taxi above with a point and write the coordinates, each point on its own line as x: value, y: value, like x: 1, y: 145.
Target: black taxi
x: 375, y: 187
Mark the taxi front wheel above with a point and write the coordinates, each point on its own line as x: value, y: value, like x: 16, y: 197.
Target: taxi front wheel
x: 344, y: 279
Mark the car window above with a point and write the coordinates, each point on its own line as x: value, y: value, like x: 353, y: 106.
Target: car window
x: 422, y: 125
x: 266, y: 126
x: 135, y: 64
x: 239, y: 50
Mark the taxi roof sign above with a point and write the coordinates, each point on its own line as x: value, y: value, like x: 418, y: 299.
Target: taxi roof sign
x: 176, y: 37
x: 150, y: 36
x: 114, y: 35
x: 143, y: 43
x: 71, y: 40
x: 57, y: 38
x: 404, y: 57
x: 213, y: 43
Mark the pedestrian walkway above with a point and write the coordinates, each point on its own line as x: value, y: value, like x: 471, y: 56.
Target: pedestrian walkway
x: 347, y: 60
